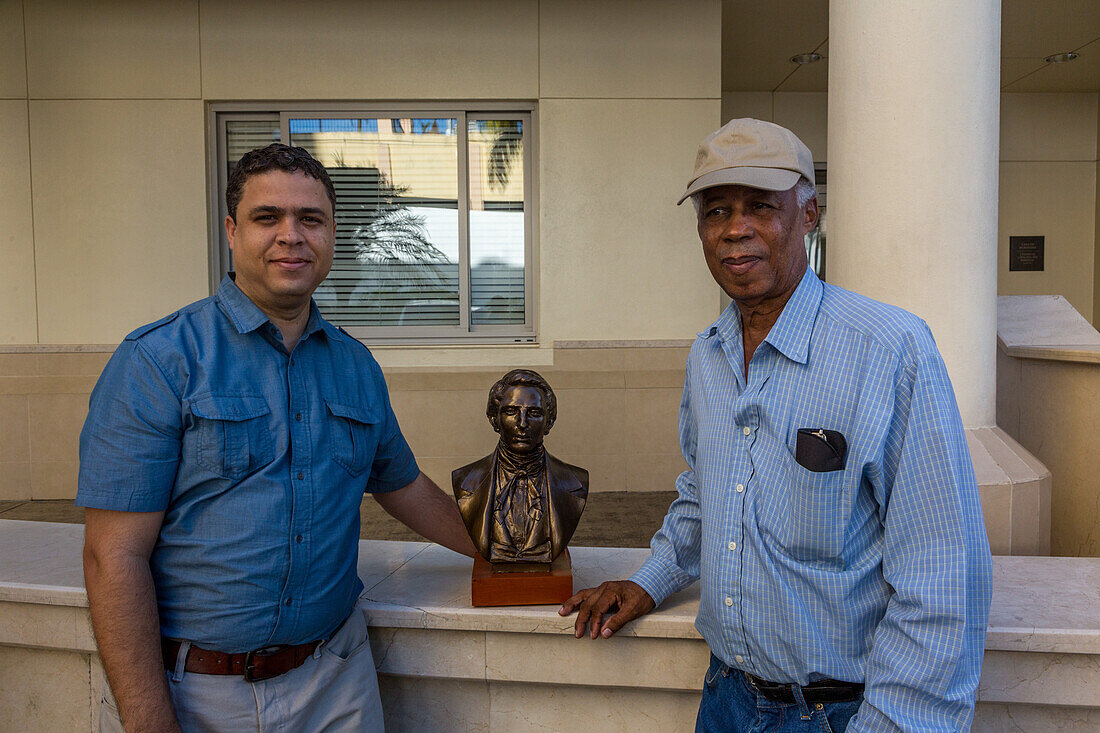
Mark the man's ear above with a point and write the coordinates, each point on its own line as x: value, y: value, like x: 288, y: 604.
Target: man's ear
x: 493, y: 422
x: 230, y: 230
x: 812, y: 213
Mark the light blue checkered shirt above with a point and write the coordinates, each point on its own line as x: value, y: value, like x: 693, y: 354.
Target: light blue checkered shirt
x: 877, y: 573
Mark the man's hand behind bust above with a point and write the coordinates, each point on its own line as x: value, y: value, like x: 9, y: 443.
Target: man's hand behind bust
x: 592, y: 603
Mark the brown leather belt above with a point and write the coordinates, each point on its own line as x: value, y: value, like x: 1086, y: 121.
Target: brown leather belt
x: 261, y: 664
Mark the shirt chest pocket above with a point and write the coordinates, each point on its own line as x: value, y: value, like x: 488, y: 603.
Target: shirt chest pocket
x: 355, y: 432
x: 234, y: 434
x: 807, y: 512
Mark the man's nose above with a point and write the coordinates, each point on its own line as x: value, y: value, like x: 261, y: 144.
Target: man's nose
x: 523, y: 418
x: 289, y: 231
x: 739, y: 226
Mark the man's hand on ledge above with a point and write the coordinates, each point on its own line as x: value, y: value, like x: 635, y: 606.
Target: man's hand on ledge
x: 592, y: 603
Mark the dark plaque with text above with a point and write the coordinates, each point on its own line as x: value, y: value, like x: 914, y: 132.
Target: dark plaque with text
x: 1025, y: 254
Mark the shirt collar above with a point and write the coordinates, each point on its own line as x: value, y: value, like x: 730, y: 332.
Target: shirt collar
x: 246, y: 316
x: 792, y: 330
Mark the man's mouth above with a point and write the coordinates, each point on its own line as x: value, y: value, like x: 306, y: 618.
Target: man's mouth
x: 290, y: 263
x: 740, y: 265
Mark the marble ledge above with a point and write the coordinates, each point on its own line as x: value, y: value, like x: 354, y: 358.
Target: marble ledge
x: 58, y: 348
x: 1045, y: 327
x: 1084, y: 353
x: 1040, y: 604
x: 626, y: 344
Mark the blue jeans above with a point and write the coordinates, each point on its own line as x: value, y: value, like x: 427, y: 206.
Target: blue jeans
x: 731, y: 704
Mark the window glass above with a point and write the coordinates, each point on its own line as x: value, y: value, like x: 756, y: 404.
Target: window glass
x: 396, y: 260
x: 497, y: 255
x: 433, y: 215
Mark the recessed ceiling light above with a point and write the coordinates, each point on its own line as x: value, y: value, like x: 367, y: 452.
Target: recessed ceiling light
x: 805, y: 58
x: 1061, y: 58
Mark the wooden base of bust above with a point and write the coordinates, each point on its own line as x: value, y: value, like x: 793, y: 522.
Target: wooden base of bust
x: 517, y: 586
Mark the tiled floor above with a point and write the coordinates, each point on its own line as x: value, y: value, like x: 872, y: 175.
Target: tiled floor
x: 611, y: 519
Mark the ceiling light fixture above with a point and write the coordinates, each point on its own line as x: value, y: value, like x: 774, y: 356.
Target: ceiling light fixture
x: 805, y: 58
x: 1061, y: 58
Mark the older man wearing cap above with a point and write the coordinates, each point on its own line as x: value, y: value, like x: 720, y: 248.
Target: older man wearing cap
x: 829, y: 510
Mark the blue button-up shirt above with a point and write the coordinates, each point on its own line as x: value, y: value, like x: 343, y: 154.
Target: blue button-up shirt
x: 877, y: 573
x: 259, y: 459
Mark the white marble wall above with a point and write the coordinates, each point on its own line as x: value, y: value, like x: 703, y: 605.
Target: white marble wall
x: 444, y: 665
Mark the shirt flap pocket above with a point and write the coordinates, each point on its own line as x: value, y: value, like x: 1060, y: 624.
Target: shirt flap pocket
x: 365, y: 414
x: 234, y: 408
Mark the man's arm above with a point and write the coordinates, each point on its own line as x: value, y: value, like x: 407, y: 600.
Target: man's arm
x: 123, y: 606
x: 424, y: 508
x: 926, y: 652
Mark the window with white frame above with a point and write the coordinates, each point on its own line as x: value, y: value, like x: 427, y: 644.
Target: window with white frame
x: 434, y: 218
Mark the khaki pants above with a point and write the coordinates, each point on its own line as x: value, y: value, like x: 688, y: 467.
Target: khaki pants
x: 334, y: 690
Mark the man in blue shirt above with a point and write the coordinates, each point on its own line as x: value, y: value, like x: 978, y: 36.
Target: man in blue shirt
x: 829, y: 510
x: 225, y: 454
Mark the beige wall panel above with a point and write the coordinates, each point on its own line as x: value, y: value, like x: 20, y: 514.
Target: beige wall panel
x: 618, y: 259
x: 43, y: 690
x: 747, y: 104
x: 1056, y: 200
x: 17, y: 296
x: 622, y: 48
x: 13, y: 58
x: 129, y: 49
x: 120, y: 214
x: 806, y: 114
x: 1096, y: 259
x: 1048, y: 127
x: 364, y: 50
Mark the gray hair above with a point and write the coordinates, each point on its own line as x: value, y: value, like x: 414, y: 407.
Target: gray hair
x: 803, y: 192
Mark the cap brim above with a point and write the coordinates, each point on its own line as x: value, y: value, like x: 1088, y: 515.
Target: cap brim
x: 768, y: 179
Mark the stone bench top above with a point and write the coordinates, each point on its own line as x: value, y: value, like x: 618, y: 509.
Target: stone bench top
x: 1040, y: 604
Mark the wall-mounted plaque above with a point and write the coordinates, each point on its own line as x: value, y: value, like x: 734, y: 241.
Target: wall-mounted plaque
x: 1025, y: 254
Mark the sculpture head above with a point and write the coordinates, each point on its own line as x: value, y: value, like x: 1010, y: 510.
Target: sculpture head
x: 522, y: 408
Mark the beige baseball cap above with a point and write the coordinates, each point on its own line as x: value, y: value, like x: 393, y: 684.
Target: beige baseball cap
x: 750, y: 152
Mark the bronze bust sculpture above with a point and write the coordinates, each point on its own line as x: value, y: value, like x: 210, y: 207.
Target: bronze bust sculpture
x: 520, y: 504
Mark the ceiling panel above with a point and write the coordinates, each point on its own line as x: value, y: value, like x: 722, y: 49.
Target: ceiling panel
x: 759, y: 38
x: 1079, y: 75
x: 1013, y: 69
x: 1042, y: 27
x: 807, y: 78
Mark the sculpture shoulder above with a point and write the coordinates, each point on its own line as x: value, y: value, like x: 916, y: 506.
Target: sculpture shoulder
x: 466, y: 478
x: 573, y: 479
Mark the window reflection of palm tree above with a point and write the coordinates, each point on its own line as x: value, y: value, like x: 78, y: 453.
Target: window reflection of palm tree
x: 393, y: 248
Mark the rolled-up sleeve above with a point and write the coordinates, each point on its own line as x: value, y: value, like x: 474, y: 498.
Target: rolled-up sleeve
x: 130, y: 443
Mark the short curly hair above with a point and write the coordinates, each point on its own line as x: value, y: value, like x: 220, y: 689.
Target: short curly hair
x: 275, y: 156
x: 521, y: 378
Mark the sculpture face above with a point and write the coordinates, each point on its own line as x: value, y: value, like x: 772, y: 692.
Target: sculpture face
x: 521, y: 419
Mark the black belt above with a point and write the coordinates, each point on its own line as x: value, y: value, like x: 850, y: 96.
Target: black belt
x: 821, y: 691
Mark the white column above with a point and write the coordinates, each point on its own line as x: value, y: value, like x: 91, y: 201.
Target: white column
x: 914, y: 112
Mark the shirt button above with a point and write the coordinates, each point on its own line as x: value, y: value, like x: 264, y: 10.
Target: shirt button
x: 740, y: 488
x: 733, y: 545
x: 301, y: 475
x: 746, y: 430
x: 298, y: 538
x: 298, y: 417
x: 729, y: 601
x: 288, y: 601
x: 739, y: 659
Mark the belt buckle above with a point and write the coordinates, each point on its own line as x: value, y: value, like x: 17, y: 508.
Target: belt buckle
x: 250, y: 662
